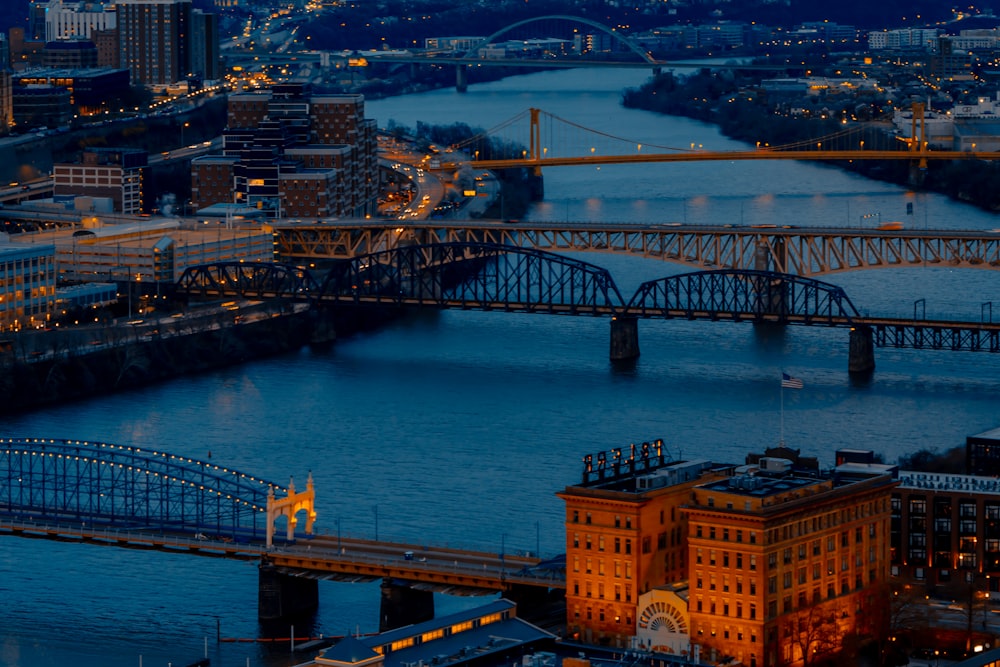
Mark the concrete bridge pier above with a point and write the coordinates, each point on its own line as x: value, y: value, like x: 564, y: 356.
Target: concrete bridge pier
x: 624, y: 338
x: 861, y: 358
x: 461, y: 78
x: 402, y: 605
x: 280, y: 595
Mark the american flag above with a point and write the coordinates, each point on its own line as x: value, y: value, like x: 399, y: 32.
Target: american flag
x: 788, y: 382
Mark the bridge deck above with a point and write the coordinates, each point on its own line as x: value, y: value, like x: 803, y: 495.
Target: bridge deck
x: 322, y: 556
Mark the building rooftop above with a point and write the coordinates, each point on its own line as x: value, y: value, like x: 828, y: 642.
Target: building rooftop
x: 760, y: 486
x: 939, y: 481
x: 468, y: 635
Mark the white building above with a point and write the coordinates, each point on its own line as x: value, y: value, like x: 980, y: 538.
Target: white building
x: 75, y: 20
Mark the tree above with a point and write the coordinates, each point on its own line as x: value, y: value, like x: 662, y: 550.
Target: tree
x: 816, y: 632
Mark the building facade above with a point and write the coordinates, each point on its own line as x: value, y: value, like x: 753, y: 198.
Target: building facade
x: 115, y: 173
x: 27, y: 285
x: 626, y: 533
x: 154, y: 40
x: 769, y: 564
x: 293, y: 154
x: 785, y: 566
x: 74, y: 20
x: 946, y: 530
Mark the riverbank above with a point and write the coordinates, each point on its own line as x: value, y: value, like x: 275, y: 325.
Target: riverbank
x: 44, y: 368
x: 735, y: 103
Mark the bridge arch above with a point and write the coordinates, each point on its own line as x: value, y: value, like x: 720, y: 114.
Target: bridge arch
x: 472, y: 275
x: 743, y: 295
x: 123, y: 487
x: 256, y: 280
x: 622, y: 39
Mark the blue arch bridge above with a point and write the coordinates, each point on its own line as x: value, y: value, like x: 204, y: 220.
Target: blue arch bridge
x: 487, y: 276
x: 122, y: 496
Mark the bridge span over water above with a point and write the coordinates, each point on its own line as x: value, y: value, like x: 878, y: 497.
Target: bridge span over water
x: 802, y: 251
x: 123, y: 496
x: 493, y: 277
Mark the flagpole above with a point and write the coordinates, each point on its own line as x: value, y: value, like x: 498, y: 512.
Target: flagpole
x: 781, y: 442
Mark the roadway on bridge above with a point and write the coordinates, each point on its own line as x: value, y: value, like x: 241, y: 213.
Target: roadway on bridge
x: 321, y: 556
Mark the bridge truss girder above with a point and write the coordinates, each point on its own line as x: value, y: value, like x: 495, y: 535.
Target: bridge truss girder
x: 935, y: 336
x: 479, y: 276
x: 755, y: 296
x: 252, y: 280
x: 127, y: 487
x: 800, y: 251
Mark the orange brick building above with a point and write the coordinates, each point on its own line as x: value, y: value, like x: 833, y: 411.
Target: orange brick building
x: 784, y: 566
x: 779, y: 564
x: 625, y: 534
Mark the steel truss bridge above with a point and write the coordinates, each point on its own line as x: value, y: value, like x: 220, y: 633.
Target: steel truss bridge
x: 103, y: 485
x: 484, y: 276
x: 802, y: 251
x: 124, y: 496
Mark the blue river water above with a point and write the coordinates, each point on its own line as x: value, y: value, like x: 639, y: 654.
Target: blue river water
x: 458, y: 428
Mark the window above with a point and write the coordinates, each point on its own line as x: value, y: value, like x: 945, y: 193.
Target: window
x: 600, y: 543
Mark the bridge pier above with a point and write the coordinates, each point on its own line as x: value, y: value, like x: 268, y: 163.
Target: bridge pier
x: 280, y: 595
x: 461, y: 79
x: 402, y: 605
x: 861, y: 358
x: 624, y: 338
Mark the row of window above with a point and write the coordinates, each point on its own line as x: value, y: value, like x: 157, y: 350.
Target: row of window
x: 600, y: 567
x: 619, y: 543
x: 619, y: 591
x: 712, y: 532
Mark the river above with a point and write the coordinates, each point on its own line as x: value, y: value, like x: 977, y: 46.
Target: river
x: 459, y: 427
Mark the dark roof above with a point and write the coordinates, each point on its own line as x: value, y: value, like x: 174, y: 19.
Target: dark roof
x: 349, y: 650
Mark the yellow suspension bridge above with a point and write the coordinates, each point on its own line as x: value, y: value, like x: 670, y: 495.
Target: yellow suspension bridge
x: 564, y: 143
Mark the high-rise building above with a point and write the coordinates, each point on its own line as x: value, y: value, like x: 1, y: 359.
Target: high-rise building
x: 292, y: 153
x: 155, y: 40
x: 205, y: 59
